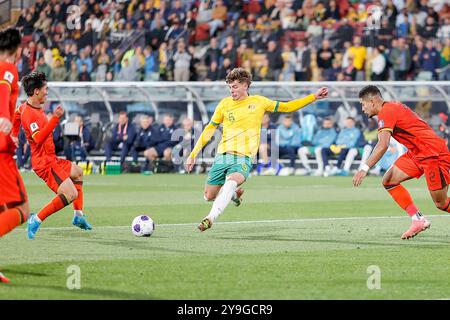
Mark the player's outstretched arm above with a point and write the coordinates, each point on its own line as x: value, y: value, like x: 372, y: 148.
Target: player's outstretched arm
x: 204, y: 138
x: 377, y: 153
x: 41, y: 135
x: 295, y: 105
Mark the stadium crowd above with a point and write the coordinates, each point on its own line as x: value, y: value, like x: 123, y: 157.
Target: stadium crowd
x: 191, y: 40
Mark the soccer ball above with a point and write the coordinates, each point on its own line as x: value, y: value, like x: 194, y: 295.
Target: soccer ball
x: 143, y: 226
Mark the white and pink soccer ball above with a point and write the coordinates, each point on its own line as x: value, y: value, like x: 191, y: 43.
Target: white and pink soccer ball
x: 143, y: 226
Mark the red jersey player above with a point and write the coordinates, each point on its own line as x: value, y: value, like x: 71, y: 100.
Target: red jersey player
x: 427, y: 155
x: 14, y: 209
x: 62, y: 176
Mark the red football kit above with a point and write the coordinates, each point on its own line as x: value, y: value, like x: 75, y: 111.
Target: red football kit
x: 12, y: 190
x: 427, y: 152
x: 38, y: 131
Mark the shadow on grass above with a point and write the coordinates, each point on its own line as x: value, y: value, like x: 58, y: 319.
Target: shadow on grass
x: 84, y: 293
x: 24, y: 273
x: 423, y: 243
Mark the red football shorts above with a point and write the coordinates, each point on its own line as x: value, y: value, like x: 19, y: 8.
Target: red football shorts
x: 436, y: 169
x: 12, y: 190
x: 55, y: 173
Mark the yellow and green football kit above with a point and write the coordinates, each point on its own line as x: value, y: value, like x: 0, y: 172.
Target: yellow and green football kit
x: 241, y: 121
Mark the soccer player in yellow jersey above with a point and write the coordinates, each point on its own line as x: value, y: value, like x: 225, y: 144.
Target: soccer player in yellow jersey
x: 241, y: 116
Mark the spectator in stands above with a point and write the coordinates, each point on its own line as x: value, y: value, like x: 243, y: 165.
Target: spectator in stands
x: 289, y: 61
x: 122, y: 138
x: 213, y: 72
x: 430, y: 29
x: 189, y: 26
x: 378, y: 65
x: 257, y: 22
x: 82, y: 144
x: 268, y: 131
x: 347, y: 139
x: 386, y: 33
x: 84, y: 59
x: 429, y: 60
x: 275, y: 59
x: 218, y: 16
x: 213, y: 52
x: 73, y: 73
x: 358, y: 52
x: 165, y: 143
x: 289, y: 141
x: 332, y: 73
x: 350, y: 72
x: 444, y: 31
x: 229, y: 52
x: 302, y: 61
x: 59, y: 72
x: 126, y: 72
x: 44, y: 67
x: 182, y: 60
x: 151, y: 68
x: 235, y: 9
x: 323, y: 138
x: 72, y: 55
x: 163, y: 57
x: 146, y: 138
x: 325, y: 57
x: 84, y: 74
x: 400, y: 58
x: 43, y: 23
x: 226, y: 67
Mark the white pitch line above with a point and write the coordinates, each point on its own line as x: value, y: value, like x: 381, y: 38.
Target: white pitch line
x: 254, y: 221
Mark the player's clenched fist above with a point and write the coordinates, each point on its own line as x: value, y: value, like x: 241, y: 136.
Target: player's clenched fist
x: 322, y: 93
x: 59, y: 111
x: 189, y: 165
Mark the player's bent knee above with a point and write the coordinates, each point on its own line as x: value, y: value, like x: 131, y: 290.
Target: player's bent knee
x: 71, y: 196
x: 24, y: 211
x: 209, y: 197
x: 442, y: 205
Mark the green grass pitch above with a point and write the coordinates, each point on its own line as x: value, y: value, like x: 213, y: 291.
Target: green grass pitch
x: 292, y: 238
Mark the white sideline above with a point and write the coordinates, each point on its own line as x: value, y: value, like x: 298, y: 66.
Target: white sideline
x: 255, y: 221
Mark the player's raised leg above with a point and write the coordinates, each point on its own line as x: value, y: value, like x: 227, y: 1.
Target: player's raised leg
x: 79, y: 219
x: 222, y: 199
x: 66, y: 194
x: 392, y: 183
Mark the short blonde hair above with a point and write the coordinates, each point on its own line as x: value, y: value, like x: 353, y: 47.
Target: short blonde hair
x: 239, y: 74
